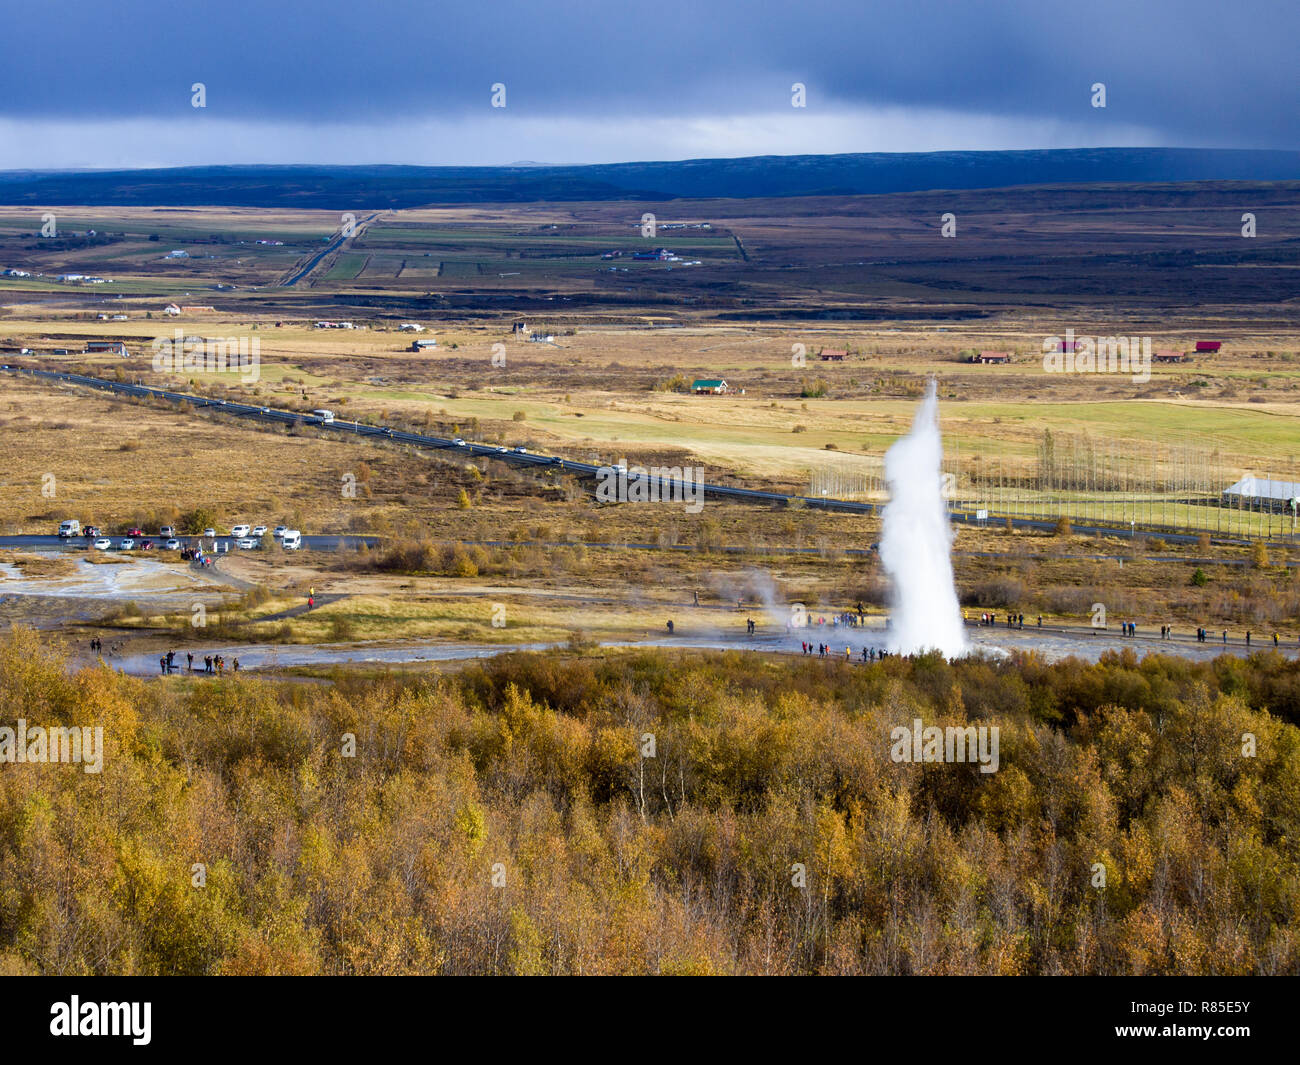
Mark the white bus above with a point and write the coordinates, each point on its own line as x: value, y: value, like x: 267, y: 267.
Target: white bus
x: 323, y: 415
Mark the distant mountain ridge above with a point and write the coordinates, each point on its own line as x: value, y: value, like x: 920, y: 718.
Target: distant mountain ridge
x: 354, y: 187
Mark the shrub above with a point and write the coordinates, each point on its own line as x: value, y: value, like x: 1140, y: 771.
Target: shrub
x: 342, y: 629
x: 195, y: 521
x: 462, y: 565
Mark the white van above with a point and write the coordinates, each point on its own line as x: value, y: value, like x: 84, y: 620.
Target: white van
x: 323, y: 416
x: 239, y: 531
x: 292, y: 540
x: 70, y: 527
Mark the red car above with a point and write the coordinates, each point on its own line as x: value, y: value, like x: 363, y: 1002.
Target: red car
x: 146, y: 545
x: 134, y: 532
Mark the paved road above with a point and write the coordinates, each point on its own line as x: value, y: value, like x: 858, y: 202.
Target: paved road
x: 664, y: 485
x: 302, y: 608
x: 330, y: 248
x: 82, y: 543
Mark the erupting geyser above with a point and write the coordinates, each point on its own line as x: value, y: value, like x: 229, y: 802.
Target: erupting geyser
x: 916, y: 543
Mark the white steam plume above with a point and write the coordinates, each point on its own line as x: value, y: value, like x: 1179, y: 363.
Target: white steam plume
x: 916, y: 543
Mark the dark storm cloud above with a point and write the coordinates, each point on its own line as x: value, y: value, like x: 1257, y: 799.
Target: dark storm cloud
x: 1193, y: 71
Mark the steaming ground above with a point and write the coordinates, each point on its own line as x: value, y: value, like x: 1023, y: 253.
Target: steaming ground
x: 1050, y: 645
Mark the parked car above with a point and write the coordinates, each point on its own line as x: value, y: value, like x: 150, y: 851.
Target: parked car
x: 134, y: 532
x: 280, y: 530
x: 245, y: 543
x: 146, y: 545
x: 292, y: 540
x: 69, y: 527
x: 172, y: 545
x: 127, y: 544
x: 91, y: 532
x: 167, y: 531
x: 239, y: 531
x: 211, y: 534
x: 103, y: 543
x: 259, y: 531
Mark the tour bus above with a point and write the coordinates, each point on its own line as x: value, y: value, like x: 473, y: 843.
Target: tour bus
x: 292, y: 540
x: 323, y: 415
x: 70, y: 527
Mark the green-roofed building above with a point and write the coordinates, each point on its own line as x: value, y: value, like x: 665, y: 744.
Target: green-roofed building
x: 709, y: 387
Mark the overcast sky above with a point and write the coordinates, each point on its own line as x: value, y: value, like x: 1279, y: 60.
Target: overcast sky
x: 92, y: 83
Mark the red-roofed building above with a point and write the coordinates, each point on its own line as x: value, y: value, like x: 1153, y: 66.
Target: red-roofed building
x: 1209, y: 345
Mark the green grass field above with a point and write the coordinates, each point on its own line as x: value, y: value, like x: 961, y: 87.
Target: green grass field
x: 346, y: 267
